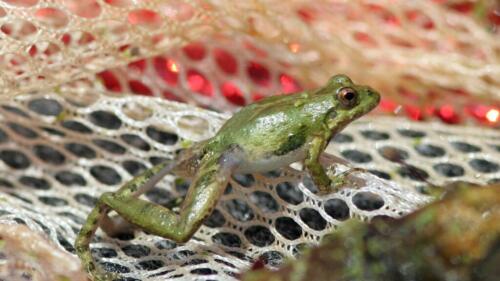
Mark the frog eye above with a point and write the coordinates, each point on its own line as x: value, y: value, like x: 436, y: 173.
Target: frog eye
x: 347, y: 96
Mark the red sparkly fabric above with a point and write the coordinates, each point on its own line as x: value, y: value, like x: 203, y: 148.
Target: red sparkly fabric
x: 241, y: 71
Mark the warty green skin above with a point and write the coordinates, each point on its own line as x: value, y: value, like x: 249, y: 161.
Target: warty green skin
x: 455, y: 238
x: 263, y: 136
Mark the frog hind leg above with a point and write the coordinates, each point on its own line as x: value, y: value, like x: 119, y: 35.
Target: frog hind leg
x: 203, y: 194
x: 98, y: 215
x: 116, y: 225
x: 186, y: 166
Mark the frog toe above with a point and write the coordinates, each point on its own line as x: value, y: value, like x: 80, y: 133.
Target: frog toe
x: 105, y: 276
x: 346, y: 178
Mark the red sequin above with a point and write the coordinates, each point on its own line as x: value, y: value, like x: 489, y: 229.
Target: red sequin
x: 257, y: 96
x: 375, y: 7
x: 110, y: 81
x: 124, y: 48
x: 170, y: 96
x: 388, y: 105
x: 194, y: 51
x: 139, y: 65
x: 66, y: 39
x: 288, y: 84
x: 118, y: 3
x: 52, y: 16
x: 414, y: 112
x: 448, y: 114
x: 198, y: 83
x: 420, y: 18
x: 484, y: 113
x: 462, y: 7
x: 392, y: 20
x: 365, y: 39
x: 385, y: 14
x: 258, y: 52
x: 225, y: 61
x: 232, y: 94
x: 259, y: 74
x: 494, y: 16
x: 305, y: 14
x: 139, y: 88
x: 144, y: 17
x: 167, y: 69
x: 33, y: 50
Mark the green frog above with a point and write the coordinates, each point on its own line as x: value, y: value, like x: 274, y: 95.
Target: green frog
x: 269, y: 134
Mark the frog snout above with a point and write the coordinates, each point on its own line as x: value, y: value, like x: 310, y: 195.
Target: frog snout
x: 374, y: 96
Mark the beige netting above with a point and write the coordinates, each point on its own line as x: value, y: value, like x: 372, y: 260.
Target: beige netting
x: 30, y: 252
x: 411, y: 48
x: 69, y: 137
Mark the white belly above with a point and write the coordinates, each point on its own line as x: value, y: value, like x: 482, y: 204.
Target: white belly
x: 270, y: 163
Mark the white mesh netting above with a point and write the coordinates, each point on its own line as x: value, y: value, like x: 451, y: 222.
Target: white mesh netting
x: 57, y: 158
x: 69, y: 140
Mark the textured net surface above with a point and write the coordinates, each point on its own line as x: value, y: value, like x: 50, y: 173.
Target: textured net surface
x: 58, y: 156
x: 417, y: 52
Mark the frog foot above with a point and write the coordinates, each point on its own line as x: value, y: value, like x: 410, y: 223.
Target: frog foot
x: 343, y: 179
x: 105, y: 276
x: 325, y: 190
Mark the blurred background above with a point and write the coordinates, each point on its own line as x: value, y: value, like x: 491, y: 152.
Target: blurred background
x: 432, y: 60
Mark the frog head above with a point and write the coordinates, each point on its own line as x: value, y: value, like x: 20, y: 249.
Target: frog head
x: 350, y: 101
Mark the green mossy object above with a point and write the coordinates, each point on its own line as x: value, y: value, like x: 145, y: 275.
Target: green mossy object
x: 455, y: 238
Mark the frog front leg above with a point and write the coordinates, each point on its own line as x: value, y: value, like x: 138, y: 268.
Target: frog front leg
x: 315, y: 147
x: 325, y: 183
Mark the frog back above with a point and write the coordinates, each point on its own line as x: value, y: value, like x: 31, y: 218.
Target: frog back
x: 274, y: 127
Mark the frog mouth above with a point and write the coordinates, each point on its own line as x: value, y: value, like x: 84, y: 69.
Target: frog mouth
x: 374, y: 98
